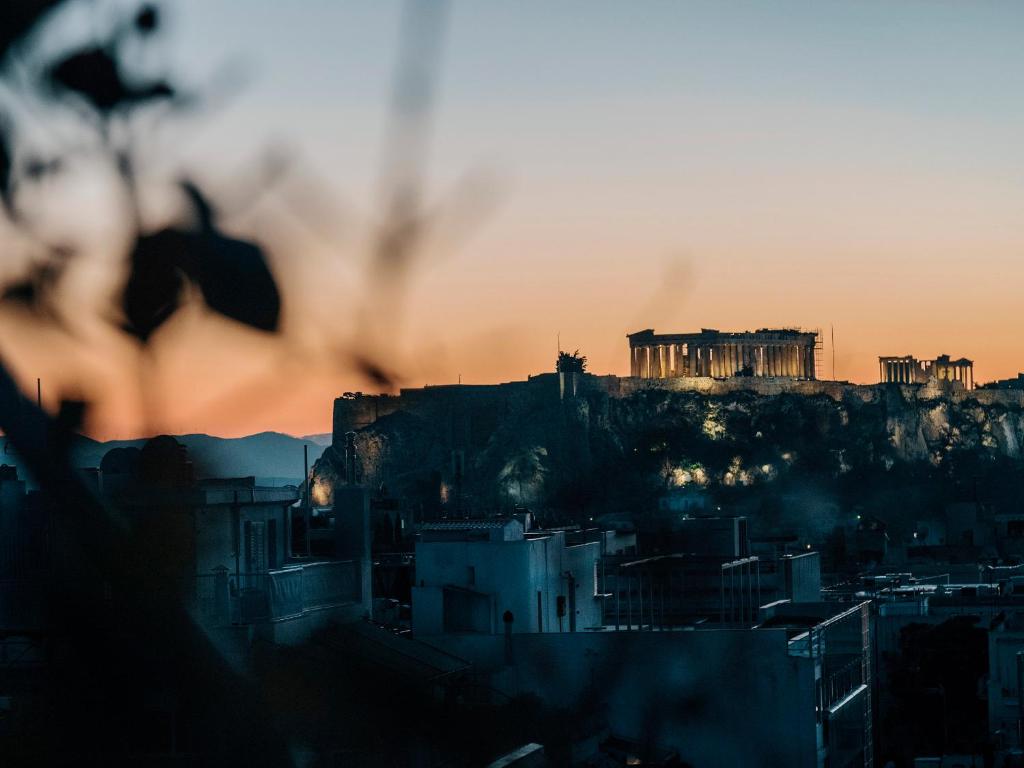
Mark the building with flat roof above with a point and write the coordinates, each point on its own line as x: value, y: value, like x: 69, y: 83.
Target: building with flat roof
x: 795, y: 690
x: 491, y: 577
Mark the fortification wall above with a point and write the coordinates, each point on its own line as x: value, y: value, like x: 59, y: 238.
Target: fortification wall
x: 839, y: 391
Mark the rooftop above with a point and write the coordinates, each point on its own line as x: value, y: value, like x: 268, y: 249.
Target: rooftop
x: 487, y: 529
x: 466, y: 525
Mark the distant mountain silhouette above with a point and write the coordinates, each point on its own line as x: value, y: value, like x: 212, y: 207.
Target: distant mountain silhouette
x: 274, y: 458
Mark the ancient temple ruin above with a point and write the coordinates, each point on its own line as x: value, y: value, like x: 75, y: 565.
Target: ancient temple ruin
x: 766, y: 352
x: 907, y: 369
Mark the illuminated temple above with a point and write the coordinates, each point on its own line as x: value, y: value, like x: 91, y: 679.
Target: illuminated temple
x: 767, y: 352
x: 907, y: 369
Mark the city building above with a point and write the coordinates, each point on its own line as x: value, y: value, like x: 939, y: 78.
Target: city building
x: 1006, y: 683
x: 704, y: 572
x: 767, y: 352
x: 907, y: 369
x: 492, y: 577
x: 229, y: 544
x: 795, y: 690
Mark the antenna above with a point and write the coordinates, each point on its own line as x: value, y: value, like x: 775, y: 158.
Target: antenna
x: 833, y: 352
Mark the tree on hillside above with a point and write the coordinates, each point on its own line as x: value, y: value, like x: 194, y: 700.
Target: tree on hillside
x: 571, y: 362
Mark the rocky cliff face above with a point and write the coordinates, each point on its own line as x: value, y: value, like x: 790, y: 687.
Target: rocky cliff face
x: 619, y: 446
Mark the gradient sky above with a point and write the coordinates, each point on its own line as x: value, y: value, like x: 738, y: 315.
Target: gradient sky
x: 673, y: 165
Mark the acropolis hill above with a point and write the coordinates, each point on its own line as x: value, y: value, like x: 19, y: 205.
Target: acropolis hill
x: 604, y: 444
x: 355, y: 411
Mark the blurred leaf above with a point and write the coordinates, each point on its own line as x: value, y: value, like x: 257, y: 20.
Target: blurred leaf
x: 236, y: 281
x: 6, y: 169
x: 374, y: 372
x: 94, y: 74
x: 20, y: 292
x: 147, y: 19
x: 232, y: 275
x: 34, y: 289
x: 18, y: 17
x: 153, y: 291
x: 37, y: 168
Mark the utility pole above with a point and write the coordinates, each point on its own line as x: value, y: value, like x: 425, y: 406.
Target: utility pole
x: 305, y: 462
x: 833, y: 353
x: 305, y: 505
x: 39, y: 393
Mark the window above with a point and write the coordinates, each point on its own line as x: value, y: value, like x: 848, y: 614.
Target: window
x: 255, y: 547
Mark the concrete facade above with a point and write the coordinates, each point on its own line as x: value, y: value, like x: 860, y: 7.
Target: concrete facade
x: 720, y: 697
x: 473, y: 576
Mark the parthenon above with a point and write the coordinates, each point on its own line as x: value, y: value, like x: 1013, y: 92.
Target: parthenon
x: 907, y: 369
x: 765, y: 352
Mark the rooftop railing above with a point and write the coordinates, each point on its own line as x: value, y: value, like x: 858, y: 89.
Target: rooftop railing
x: 224, y: 598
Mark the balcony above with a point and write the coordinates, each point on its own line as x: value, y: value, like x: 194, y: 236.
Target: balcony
x: 223, y: 598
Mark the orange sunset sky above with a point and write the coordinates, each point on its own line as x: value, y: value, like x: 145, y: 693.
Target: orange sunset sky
x: 595, y: 169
